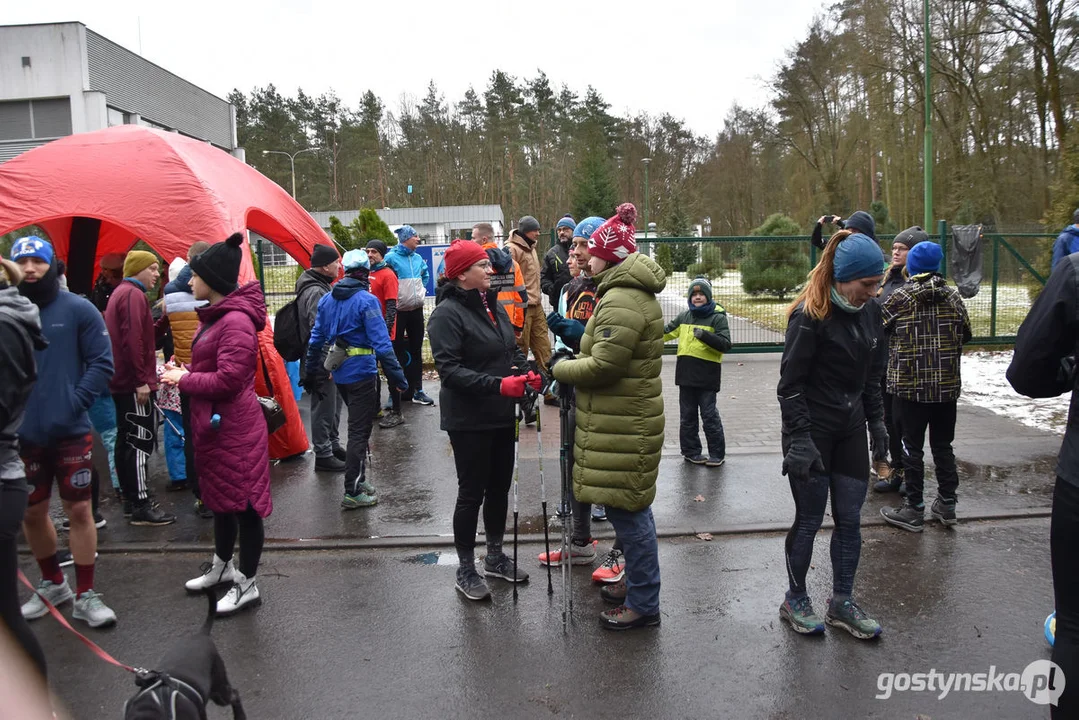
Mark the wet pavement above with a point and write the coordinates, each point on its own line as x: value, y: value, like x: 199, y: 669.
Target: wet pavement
x: 361, y: 618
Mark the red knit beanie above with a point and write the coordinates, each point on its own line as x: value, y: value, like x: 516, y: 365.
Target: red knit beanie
x: 461, y: 255
x: 615, y: 239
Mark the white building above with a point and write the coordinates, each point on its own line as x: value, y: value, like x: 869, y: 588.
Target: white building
x: 63, y: 78
x: 434, y: 224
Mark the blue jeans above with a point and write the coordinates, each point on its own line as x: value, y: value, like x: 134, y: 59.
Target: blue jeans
x: 637, y: 532
x: 174, y: 446
x: 810, y: 500
x: 690, y: 399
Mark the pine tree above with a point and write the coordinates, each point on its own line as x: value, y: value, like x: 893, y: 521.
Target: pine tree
x: 775, y: 268
x: 595, y: 191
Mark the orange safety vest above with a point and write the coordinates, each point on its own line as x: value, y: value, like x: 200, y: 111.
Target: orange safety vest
x: 511, y: 299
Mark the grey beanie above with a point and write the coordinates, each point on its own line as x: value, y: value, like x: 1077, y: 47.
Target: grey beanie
x: 528, y: 224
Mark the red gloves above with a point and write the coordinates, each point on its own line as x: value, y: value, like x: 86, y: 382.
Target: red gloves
x: 513, y: 386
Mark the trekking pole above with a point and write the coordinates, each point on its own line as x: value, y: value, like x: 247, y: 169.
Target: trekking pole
x: 516, y: 477
x: 543, y: 497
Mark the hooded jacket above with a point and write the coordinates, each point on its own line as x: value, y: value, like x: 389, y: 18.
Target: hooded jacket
x: 351, y: 316
x: 555, y: 274
x: 523, y: 251
x: 1067, y: 242
x: 71, y: 373
x: 700, y: 360
x: 131, y: 328
x: 232, y: 460
x: 20, y: 336
x: 1043, y: 364
x: 509, y: 283
x: 619, y: 434
x: 928, y: 325
x: 412, y: 276
x: 310, y: 287
x: 180, y: 307
x: 472, y: 354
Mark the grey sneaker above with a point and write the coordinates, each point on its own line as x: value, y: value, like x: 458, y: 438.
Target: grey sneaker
x: 471, y: 585
x: 944, y: 510
x: 90, y: 608
x: 907, y: 517
x: 56, y: 594
x: 391, y: 420
x: 853, y: 619
x: 502, y: 566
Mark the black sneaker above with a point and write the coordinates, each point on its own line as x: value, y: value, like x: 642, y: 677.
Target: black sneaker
x: 339, y: 453
x: 422, y: 398
x: 944, y: 510
x: 502, y: 567
x: 202, y: 511
x: 99, y: 522
x: 906, y: 517
x: 391, y: 420
x: 330, y: 464
x: 471, y: 585
x: 149, y: 514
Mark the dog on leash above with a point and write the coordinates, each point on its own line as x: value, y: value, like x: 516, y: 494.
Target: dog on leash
x: 187, y: 678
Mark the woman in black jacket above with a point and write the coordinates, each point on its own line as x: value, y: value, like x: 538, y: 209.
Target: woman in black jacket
x: 476, y: 354
x: 829, y: 388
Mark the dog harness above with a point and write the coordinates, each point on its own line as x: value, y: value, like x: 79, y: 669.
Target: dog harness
x: 166, y: 692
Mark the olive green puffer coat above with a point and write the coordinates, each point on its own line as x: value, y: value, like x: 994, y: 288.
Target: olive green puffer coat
x: 619, y: 435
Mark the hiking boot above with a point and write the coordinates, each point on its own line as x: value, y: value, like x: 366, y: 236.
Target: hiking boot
x: 714, y: 462
x: 612, y: 570
x: 339, y: 453
x: 623, y: 618
x: 470, y: 584
x: 799, y: 613
x: 944, y: 510
x: 889, y: 484
x: 615, y: 593
x: 422, y: 398
x: 56, y: 594
x: 907, y: 517
x: 149, y: 514
x: 214, y: 573
x: 695, y: 459
x: 65, y: 559
x: 392, y: 420
x: 578, y: 555
x: 99, y: 522
x: 91, y: 609
x: 501, y: 566
x: 202, y: 511
x: 329, y: 463
x: 362, y: 500
x: 599, y: 513
x: 243, y: 593
x: 853, y: 619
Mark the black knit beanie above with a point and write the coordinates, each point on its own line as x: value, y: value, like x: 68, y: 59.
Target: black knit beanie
x: 323, y: 255
x: 378, y: 246
x: 219, y: 267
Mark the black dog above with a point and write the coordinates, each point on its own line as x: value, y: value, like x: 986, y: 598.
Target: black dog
x: 190, y: 675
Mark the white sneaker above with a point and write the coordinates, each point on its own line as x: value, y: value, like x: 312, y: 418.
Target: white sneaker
x: 214, y: 573
x: 56, y: 594
x: 90, y: 608
x: 243, y: 593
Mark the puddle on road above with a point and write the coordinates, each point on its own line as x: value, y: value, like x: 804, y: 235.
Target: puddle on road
x: 1030, y: 478
x: 433, y: 558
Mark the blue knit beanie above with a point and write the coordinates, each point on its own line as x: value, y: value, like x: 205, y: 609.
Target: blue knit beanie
x: 923, y: 258
x: 32, y: 247
x: 586, y: 227
x: 858, y: 256
x: 566, y: 221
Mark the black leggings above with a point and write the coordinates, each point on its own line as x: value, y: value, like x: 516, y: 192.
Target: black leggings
x: 484, y: 474
x: 408, y: 346
x: 1063, y: 536
x: 13, y: 497
x: 248, y: 525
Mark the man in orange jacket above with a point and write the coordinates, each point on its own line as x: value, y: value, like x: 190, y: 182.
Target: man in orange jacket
x: 507, y: 279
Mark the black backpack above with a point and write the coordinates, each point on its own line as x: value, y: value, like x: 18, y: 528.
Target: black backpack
x: 288, y: 333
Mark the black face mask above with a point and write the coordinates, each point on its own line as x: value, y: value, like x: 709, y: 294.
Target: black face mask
x: 44, y: 291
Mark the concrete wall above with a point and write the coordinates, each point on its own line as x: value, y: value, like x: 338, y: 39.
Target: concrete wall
x: 57, y: 66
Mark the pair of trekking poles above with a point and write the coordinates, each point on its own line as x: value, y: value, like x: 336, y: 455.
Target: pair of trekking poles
x: 527, y: 405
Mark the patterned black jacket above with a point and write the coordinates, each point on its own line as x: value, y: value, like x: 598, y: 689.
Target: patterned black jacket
x: 928, y: 324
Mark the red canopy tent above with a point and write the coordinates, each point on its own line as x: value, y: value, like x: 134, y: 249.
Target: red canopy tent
x: 96, y: 193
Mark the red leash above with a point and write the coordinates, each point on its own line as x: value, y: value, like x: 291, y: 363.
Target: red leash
x: 86, y: 641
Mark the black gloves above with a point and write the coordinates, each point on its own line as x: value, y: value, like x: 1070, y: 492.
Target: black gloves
x: 802, y: 458
x: 878, y: 435
x: 311, y: 382
x: 559, y: 356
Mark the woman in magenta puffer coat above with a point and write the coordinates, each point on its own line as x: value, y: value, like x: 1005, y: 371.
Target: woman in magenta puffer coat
x: 227, y: 423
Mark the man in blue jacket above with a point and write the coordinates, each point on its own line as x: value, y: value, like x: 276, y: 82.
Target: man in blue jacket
x: 1067, y: 241
x: 349, y: 319
x: 412, y: 279
x: 55, y: 433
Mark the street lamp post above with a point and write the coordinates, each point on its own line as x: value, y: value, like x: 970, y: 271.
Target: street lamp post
x: 647, y: 162
x: 292, y: 160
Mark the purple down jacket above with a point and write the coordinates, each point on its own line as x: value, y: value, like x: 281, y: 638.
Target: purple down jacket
x: 233, y: 460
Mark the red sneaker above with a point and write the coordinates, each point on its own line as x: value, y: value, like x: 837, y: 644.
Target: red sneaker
x: 612, y: 570
x: 578, y: 555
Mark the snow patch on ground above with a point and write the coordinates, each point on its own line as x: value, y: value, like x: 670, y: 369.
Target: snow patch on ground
x: 985, y: 385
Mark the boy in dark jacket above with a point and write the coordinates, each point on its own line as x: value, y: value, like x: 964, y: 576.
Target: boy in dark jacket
x: 703, y: 336
x: 349, y: 319
x: 928, y: 325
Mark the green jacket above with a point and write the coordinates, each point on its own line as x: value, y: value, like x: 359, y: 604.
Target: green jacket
x: 619, y: 435
x: 699, y: 360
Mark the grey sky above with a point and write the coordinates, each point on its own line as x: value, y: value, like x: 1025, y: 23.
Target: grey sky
x: 691, y: 58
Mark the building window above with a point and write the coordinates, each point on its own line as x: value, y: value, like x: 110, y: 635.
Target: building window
x: 35, y: 119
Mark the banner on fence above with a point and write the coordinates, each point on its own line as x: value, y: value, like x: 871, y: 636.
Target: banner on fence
x: 432, y: 255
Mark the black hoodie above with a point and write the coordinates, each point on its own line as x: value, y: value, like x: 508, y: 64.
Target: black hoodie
x: 20, y: 336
